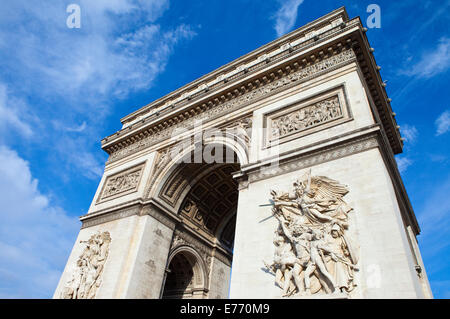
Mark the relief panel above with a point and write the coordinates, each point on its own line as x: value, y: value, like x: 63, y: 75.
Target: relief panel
x: 122, y: 183
x: 307, y: 116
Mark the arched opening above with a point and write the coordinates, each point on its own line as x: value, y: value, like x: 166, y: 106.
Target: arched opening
x: 185, y: 278
x: 205, y: 197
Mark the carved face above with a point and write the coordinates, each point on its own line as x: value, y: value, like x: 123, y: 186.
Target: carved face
x: 334, y: 233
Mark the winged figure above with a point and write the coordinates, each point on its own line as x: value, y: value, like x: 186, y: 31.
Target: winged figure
x: 313, y: 220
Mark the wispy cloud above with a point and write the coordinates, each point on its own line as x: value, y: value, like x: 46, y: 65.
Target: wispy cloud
x: 432, y: 62
x: 11, y: 114
x: 73, y: 74
x: 403, y: 163
x: 435, y: 224
x: 409, y: 132
x: 443, y: 123
x: 35, y: 236
x: 438, y: 158
x: 286, y: 16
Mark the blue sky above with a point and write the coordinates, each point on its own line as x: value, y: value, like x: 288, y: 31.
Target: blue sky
x: 62, y: 90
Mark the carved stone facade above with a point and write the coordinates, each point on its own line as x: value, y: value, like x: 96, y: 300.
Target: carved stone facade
x: 236, y: 99
x: 309, y: 116
x: 86, y: 278
x: 313, y: 252
x: 310, y: 101
x: 122, y: 183
x: 318, y: 113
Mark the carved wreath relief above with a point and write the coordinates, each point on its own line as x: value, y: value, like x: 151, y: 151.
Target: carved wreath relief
x: 313, y: 254
x: 87, y: 276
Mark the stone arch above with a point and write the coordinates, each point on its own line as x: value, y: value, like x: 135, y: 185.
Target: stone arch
x: 203, y: 197
x: 165, y: 165
x: 187, y: 274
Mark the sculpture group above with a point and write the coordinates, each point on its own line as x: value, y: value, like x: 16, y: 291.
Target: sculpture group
x: 313, y: 254
x: 85, y: 279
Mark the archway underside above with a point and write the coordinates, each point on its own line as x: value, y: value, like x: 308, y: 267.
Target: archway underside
x: 205, y: 196
x: 210, y: 205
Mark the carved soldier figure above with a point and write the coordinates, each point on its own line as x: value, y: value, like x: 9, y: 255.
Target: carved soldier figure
x: 299, y: 241
x: 283, y: 263
x: 86, y: 277
x: 317, y: 247
x: 314, y: 219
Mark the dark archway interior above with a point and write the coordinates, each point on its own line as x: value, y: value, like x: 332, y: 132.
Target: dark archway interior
x: 209, y: 208
x: 180, y: 277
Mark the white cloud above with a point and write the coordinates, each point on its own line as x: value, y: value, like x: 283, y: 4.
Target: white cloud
x: 403, y: 163
x: 286, y: 16
x: 77, y: 129
x: 409, y: 132
x: 433, y: 62
x: 439, y: 158
x: 119, y: 48
x: 87, y: 165
x: 73, y: 76
x: 10, y: 114
x: 35, y: 237
x: 443, y: 123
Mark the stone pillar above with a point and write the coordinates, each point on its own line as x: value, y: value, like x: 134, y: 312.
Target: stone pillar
x: 377, y: 226
x: 150, y: 255
x: 219, y: 281
x: 137, y: 253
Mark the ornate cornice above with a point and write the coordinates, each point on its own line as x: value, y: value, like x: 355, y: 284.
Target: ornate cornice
x: 263, y: 57
x: 160, y: 216
x: 258, y: 88
x: 89, y: 221
x: 308, y: 159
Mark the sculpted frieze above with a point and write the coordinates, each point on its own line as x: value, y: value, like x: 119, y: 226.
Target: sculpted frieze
x: 263, y: 89
x: 310, y: 116
x: 122, y: 183
x: 314, y: 253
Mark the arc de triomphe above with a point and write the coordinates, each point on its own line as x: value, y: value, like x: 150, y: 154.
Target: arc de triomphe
x: 271, y: 177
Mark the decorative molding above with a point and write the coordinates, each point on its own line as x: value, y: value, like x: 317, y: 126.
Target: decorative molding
x: 159, y: 216
x: 308, y: 116
x: 110, y: 216
x: 260, y: 88
x: 122, y: 183
x: 315, y: 158
x: 181, y: 238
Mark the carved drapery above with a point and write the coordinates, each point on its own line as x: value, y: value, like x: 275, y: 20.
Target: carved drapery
x: 314, y: 253
x: 86, y: 278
